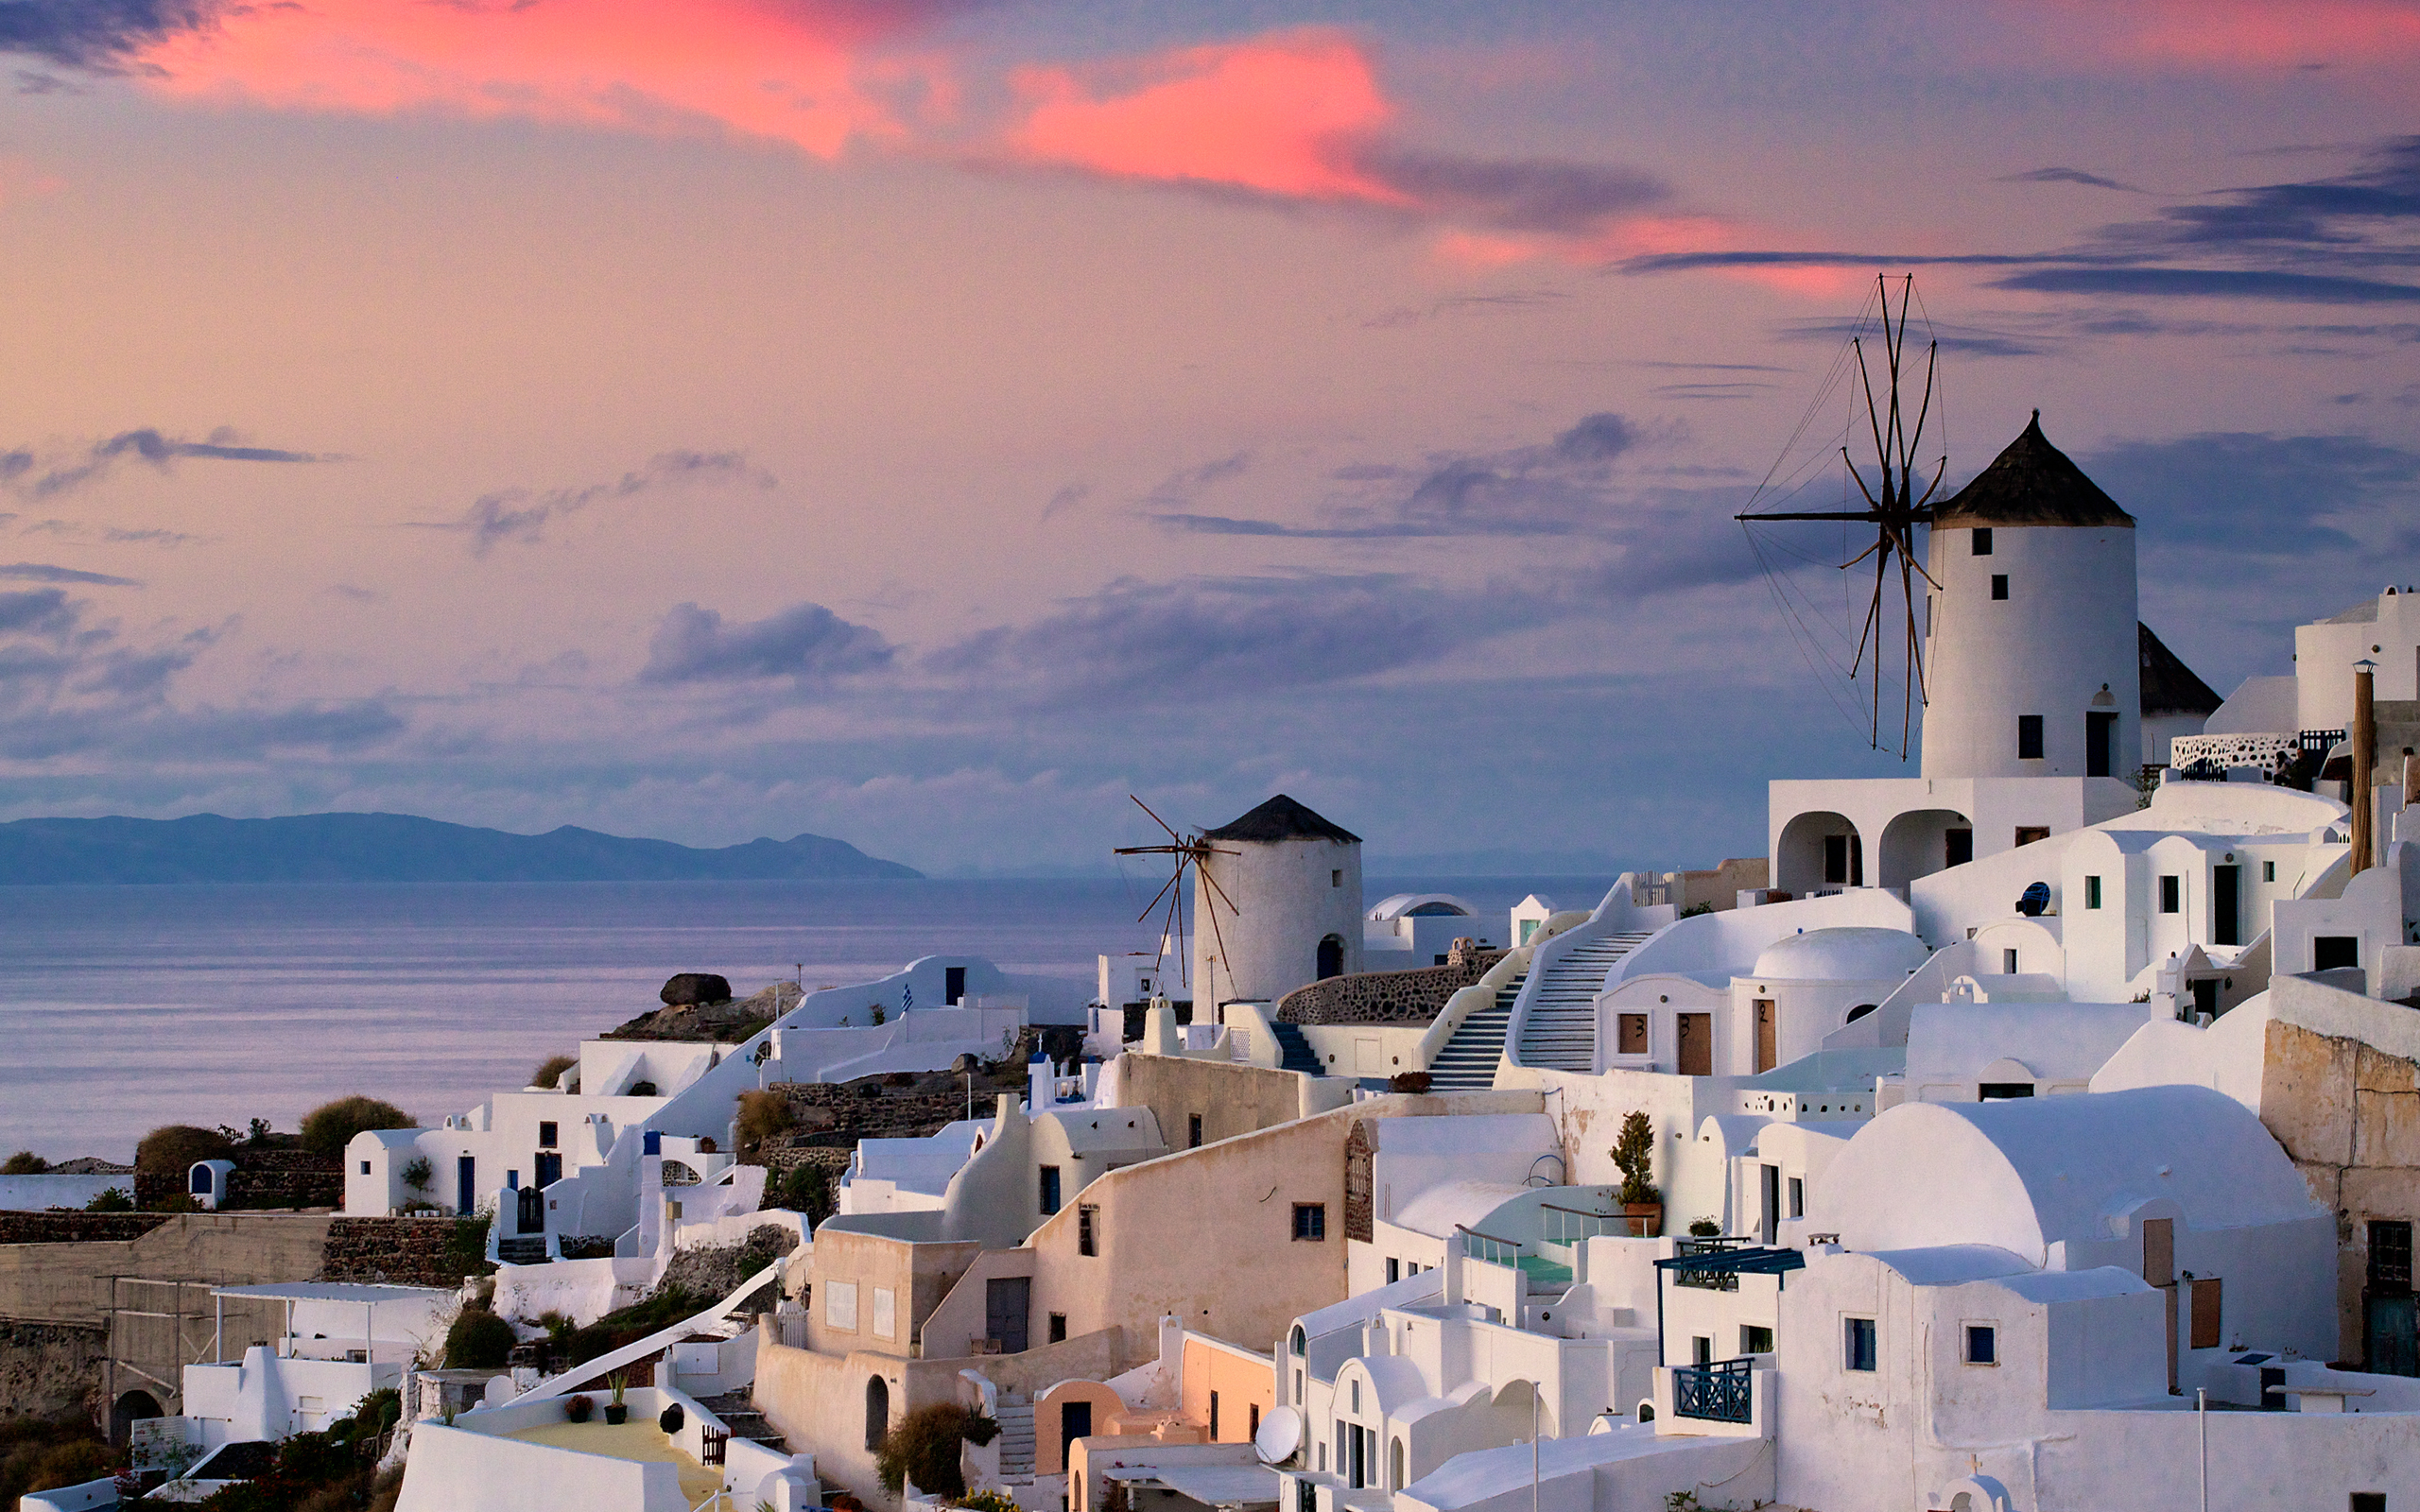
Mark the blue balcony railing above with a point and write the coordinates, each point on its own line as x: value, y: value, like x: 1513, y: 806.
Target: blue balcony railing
x: 1718, y: 1393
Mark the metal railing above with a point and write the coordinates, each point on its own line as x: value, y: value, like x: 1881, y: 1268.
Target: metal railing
x: 1717, y: 1393
x: 1571, y: 1225
x: 1488, y: 1247
x: 1706, y: 1280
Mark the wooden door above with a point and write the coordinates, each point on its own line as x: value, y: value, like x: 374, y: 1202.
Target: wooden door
x: 1768, y: 1047
x: 1696, y: 1043
x: 1631, y: 1034
x: 1007, y: 1302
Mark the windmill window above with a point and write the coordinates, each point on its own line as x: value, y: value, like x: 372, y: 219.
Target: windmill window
x: 1999, y: 585
x: 1983, y: 540
x: 1336, y: 878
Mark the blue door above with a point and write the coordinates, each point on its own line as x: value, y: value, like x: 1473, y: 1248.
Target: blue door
x: 466, y: 1184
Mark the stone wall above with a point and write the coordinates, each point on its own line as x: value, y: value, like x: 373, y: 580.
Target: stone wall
x: 262, y: 1179
x: 2349, y: 1115
x: 47, y: 1370
x: 75, y: 1228
x: 406, y: 1251
x: 1416, y: 996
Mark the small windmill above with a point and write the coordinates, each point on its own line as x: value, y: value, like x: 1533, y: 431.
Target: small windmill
x: 1893, y: 510
x: 1186, y: 853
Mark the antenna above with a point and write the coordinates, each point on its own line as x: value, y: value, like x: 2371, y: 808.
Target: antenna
x: 1186, y: 853
x: 1892, y: 511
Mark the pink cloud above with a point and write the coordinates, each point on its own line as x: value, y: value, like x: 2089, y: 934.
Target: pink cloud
x: 781, y: 72
x: 1283, y: 114
x: 2249, y: 33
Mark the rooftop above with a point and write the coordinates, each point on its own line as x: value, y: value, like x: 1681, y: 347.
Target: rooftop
x: 2031, y: 483
x: 1282, y: 818
x: 638, y: 1439
x: 2171, y: 687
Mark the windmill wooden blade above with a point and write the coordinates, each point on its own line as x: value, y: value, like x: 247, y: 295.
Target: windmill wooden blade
x: 1156, y: 819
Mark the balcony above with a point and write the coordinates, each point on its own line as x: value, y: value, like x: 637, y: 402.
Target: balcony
x: 1719, y: 1393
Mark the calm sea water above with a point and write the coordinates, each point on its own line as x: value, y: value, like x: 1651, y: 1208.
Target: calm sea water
x: 123, y: 1008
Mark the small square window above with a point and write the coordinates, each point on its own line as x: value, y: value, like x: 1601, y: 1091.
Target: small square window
x: 2091, y: 892
x: 1983, y: 540
x: 2028, y: 737
x: 2268, y: 872
x: 1754, y: 1339
x: 2008, y: 961
x: 1087, y: 1229
x: 2369, y: 1502
x: 1336, y: 878
x: 1797, y: 1198
x: 365, y: 1168
x: 1858, y: 1342
x: 1050, y: 1192
x: 1983, y: 1343
x: 1701, y: 1349
x: 1999, y: 585
x: 1193, y: 1131
x: 1057, y: 1327
x: 2171, y: 895
x: 1310, y: 1220
x: 546, y: 1136
x: 1394, y: 1270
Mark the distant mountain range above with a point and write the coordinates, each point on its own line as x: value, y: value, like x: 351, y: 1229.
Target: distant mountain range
x: 394, y: 848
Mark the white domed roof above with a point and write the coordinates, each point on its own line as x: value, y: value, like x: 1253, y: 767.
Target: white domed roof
x: 1842, y: 955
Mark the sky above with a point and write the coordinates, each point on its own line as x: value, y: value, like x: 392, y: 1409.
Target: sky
x: 927, y: 422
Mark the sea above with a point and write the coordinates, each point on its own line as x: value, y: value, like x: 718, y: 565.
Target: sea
x: 123, y: 1008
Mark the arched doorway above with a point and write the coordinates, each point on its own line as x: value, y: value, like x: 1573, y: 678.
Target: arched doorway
x: 1817, y: 851
x: 1395, y: 1466
x: 130, y: 1409
x: 1331, y: 958
x: 1922, y: 841
x: 877, y: 1411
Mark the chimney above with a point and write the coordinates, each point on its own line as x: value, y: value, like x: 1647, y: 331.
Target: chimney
x: 2365, y: 755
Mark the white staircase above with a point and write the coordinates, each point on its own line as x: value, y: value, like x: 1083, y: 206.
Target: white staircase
x: 1560, y: 1033
x: 1468, y: 1060
x: 1015, y: 1417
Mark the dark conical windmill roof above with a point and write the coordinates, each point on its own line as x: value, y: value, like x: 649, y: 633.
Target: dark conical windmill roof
x: 2171, y: 687
x: 2032, y: 482
x: 1282, y: 818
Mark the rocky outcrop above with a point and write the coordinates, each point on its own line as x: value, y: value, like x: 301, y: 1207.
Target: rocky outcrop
x: 689, y: 989
x: 49, y: 1370
x: 75, y: 1228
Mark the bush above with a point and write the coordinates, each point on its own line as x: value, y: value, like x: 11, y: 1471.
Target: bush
x: 110, y: 1200
x: 923, y: 1448
x: 550, y: 1068
x: 329, y: 1128
x: 629, y: 1325
x: 25, y: 1162
x: 478, y: 1340
x: 762, y: 1115
x: 989, y: 1502
x: 38, y: 1456
x: 418, y: 1172
x: 806, y: 1190
x: 1705, y: 1228
x: 1635, y: 1157
x: 172, y: 1149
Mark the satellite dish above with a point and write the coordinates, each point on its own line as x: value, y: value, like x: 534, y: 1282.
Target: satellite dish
x: 2035, y: 900
x: 1281, y: 1433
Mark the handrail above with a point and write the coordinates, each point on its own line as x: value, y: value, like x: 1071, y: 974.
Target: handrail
x: 1469, y: 1233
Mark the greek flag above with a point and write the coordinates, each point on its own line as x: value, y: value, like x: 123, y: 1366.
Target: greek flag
x: 907, y: 997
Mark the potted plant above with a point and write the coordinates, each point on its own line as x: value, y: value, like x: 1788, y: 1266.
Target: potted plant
x: 1635, y: 1157
x: 615, y: 1412
x: 671, y: 1418
x: 578, y: 1408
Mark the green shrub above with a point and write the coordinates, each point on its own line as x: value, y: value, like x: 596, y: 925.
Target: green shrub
x: 551, y: 1069
x: 1635, y: 1157
x: 40, y: 1455
x: 25, y: 1162
x: 172, y: 1149
x: 329, y: 1128
x: 805, y: 1190
x: 923, y: 1448
x: 110, y: 1200
x: 629, y: 1325
x: 478, y: 1340
x: 417, y: 1173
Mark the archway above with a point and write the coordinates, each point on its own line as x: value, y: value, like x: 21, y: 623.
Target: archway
x: 1817, y: 851
x: 1331, y: 958
x: 1395, y: 1481
x: 877, y: 1411
x: 1922, y: 841
x: 132, y: 1408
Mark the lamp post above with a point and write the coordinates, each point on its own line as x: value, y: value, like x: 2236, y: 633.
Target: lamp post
x: 2365, y: 755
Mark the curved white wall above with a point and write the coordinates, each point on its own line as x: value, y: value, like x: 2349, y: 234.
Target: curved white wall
x: 2067, y: 627
x: 1287, y: 896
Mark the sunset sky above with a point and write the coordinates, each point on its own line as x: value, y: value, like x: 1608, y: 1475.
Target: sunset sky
x: 925, y: 424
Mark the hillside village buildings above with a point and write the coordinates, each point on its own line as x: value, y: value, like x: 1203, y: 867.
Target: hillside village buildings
x: 2037, y: 1133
